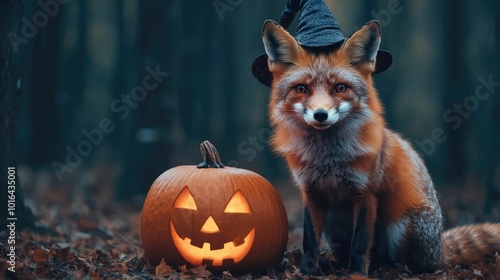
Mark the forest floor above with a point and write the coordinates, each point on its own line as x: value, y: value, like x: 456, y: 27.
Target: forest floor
x: 86, y: 235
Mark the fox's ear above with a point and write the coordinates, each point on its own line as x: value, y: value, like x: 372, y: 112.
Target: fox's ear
x: 362, y: 46
x: 280, y: 46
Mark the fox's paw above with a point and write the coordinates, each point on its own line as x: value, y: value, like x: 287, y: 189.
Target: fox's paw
x: 309, y: 265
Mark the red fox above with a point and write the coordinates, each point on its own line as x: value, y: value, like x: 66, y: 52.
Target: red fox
x: 364, y: 187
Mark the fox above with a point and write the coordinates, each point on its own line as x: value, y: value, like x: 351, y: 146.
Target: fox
x: 365, y: 190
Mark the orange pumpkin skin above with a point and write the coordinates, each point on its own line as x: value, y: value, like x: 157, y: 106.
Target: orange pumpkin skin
x: 227, y: 218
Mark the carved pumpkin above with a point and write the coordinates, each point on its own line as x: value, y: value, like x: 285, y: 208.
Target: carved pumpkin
x: 224, y: 217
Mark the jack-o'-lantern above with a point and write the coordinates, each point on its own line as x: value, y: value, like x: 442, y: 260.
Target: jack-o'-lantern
x: 224, y: 217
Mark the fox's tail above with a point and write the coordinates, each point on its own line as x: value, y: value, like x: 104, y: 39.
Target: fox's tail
x: 471, y: 244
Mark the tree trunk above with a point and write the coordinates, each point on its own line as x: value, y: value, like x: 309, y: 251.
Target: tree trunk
x: 455, y: 144
x: 492, y: 150
x: 10, y: 85
x: 146, y: 121
x: 45, y: 112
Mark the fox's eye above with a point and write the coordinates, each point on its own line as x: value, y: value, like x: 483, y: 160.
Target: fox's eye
x: 301, y: 88
x: 340, y: 88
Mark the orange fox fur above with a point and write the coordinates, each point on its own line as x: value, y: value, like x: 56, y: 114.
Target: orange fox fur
x: 364, y: 187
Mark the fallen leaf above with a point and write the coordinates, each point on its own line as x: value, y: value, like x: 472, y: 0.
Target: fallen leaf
x: 40, y: 255
x: 43, y: 270
x: 120, y: 267
x: 61, y: 254
x: 200, y: 271
x: 477, y: 272
x: 226, y: 275
x: 184, y: 269
x: 84, y: 224
x: 163, y: 269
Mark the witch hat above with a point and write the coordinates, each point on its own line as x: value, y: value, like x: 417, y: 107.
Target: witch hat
x: 317, y: 30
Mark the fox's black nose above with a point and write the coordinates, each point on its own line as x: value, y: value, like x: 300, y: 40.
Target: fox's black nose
x: 320, y: 115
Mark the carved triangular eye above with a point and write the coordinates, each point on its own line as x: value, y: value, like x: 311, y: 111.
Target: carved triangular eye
x: 185, y: 200
x: 238, y: 204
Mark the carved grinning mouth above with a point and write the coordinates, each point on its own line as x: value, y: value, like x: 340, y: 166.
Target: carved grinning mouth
x: 195, y: 255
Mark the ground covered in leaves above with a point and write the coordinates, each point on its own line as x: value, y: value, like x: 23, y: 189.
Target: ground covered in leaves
x: 84, y: 234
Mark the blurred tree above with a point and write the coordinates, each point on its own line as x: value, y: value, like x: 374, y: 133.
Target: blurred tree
x: 10, y: 88
x: 456, y: 88
x: 74, y: 64
x: 491, y: 150
x: 45, y: 113
x: 145, y: 120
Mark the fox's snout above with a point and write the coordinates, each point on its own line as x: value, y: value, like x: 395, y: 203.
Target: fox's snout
x: 319, y: 117
x: 322, y: 119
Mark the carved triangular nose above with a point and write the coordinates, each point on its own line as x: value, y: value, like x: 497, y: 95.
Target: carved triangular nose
x: 210, y: 226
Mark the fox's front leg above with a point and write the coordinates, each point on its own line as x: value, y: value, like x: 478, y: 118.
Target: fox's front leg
x: 314, y: 219
x: 365, y: 213
x: 309, y: 263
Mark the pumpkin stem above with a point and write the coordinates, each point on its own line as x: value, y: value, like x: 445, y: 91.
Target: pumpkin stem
x: 210, y: 155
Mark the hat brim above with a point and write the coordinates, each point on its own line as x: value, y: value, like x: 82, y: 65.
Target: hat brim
x: 260, y: 66
x: 383, y: 62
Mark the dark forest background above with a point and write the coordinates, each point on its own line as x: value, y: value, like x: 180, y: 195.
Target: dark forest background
x: 79, y: 127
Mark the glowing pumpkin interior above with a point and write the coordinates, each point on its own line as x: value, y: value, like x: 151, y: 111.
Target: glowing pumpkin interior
x: 233, y: 250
